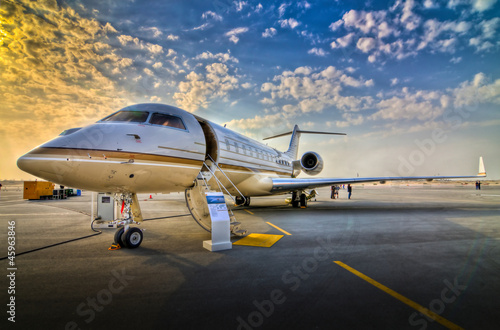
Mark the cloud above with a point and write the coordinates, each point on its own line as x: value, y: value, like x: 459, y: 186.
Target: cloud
x: 399, y: 32
x: 232, y: 34
x: 257, y: 122
x: 148, y: 72
x: 291, y: 23
x: 282, y: 9
x: 343, y: 41
x: 109, y: 28
x: 366, y: 44
x: 200, y: 27
x: 434, y: 29
x: 154, y: 49
x: 222, y: 57
x: 479, y: 90
x: 309, y: 90
x: 210, y: 14
x: 430, y: 105
x: 350, y: 120
x: 408, y: 17
x: 56, y: 71
x: 486, y: 40
x: 200, y: 89
x: 269, y: 33
x: 429, y: 4
x: 125, y: 39
x: 172, y: 37
x: 240, y: 5
x: 317, y: 52
x: 155, y: 31
x: 366, y: 22
x: 483, y: 5
x: 421, y: 105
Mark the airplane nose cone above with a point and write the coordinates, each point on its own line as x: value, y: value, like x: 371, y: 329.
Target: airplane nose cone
x: 22, y: 163
x: 27, y: 165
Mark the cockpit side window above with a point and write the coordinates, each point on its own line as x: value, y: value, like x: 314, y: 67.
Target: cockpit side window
x: 70, y: 131
x: 167, y: 120
x: 130, y: 116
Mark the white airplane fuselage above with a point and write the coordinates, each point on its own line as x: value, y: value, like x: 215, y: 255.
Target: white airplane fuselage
x: 145, y: 156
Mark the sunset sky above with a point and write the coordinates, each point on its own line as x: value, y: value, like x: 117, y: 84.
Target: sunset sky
x: 415, y: 85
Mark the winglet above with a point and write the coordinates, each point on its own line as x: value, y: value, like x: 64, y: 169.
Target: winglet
x: 482, y: 170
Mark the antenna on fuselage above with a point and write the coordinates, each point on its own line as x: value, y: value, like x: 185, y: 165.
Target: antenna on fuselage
x: 294, y: 141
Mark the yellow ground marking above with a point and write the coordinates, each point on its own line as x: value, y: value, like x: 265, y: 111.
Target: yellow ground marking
x: 283, y: 231
x: 401, y: 298
x: 248, y: 211
x: 260, y: 240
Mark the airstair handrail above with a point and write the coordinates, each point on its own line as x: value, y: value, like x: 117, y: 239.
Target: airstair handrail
x: 239, y: 192
x: 217, y: 181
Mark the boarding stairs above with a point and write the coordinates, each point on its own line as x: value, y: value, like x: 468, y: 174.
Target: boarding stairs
x: 197, y: 202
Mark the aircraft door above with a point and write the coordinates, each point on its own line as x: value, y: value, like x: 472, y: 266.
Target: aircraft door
x: 211, y: 141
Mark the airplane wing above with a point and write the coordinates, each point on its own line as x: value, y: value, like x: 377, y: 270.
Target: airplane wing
x: 291, y: 184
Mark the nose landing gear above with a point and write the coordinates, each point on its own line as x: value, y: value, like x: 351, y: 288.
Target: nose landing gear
x: 125, y: 236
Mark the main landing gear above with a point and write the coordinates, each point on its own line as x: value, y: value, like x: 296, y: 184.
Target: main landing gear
x: 242, y: 202
x: 299, y: 199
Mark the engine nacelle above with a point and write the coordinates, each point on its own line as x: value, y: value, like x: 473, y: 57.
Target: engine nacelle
x: 311, y: 163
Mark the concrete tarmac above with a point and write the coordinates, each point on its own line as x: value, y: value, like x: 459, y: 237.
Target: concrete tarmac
x: 436, y: 245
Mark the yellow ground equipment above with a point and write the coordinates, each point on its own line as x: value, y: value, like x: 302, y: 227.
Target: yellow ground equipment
x: 38, y: 190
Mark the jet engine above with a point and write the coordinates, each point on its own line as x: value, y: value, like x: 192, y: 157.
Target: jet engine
x: 311, y: 163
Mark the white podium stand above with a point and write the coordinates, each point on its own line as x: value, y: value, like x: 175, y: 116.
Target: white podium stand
x: 221, y: 236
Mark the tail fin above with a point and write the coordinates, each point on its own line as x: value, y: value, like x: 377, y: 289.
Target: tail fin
x: 293, y: 148
x: 482, y: 170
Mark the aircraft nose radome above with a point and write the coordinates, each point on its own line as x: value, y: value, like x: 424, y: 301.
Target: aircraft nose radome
x: 27, y: 165
x: 22, y: 163
x: 33, y: 165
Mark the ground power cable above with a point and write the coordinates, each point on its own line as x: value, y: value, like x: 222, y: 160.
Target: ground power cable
x: 98, y: 232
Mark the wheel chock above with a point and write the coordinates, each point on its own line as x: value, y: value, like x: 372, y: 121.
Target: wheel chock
x: 114, y: 246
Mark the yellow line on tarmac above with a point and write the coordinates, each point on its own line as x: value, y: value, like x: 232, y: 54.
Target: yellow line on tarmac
x: 283, y: 231
x: 401, y: 298
x: 248, y: 211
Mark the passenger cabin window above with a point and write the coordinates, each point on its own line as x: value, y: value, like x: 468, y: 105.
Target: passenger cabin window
x: 167, y: 120
x: 129, y: 116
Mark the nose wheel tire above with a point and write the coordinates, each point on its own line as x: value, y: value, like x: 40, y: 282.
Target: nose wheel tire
x: 118, y: 236
x: 132, y: 238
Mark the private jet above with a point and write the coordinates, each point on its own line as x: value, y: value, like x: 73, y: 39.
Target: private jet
x: 156, y: 148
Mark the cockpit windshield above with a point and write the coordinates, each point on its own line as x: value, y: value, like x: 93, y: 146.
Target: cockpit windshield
x: 130, y: 116
x: 167, y: 120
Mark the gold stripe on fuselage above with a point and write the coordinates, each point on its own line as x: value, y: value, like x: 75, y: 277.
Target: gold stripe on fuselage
x: 124, y: 155
x: 103, y: 154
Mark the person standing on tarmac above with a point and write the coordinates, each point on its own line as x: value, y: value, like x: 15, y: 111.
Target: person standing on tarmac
x: 349, y: 191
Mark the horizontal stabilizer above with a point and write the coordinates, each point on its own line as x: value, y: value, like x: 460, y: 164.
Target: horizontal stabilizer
x: 301, y: 131
x: 294, y: 141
